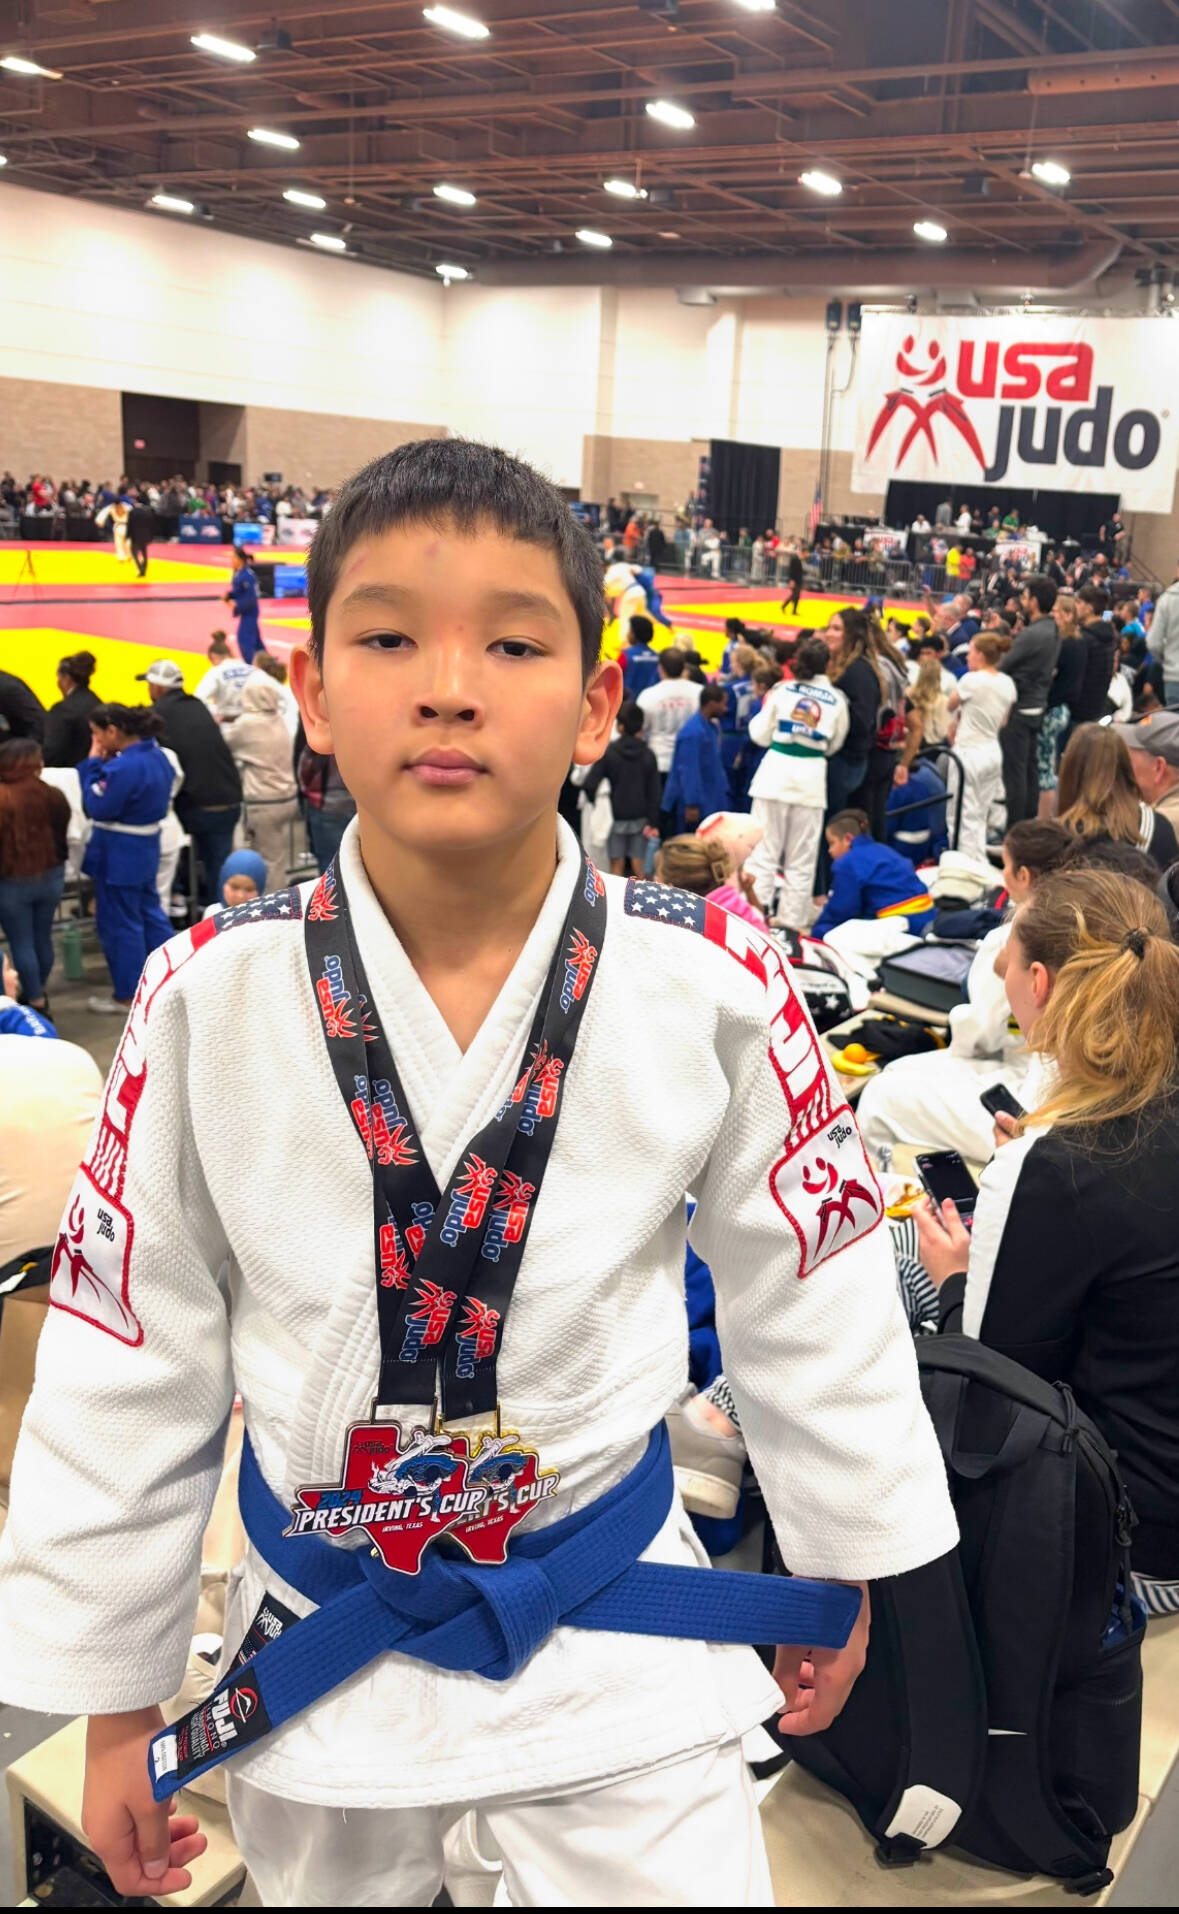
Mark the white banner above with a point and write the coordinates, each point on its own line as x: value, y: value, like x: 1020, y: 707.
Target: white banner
x: 880, y: 538
x: 1039, y: 401
x: 1018, y: 551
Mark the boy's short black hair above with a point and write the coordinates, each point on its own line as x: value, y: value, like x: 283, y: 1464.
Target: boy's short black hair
x: 713, y: 694
x: 470, y: 485
x: 641, y: 629
x: 631, y: 718
x: 849, y: 824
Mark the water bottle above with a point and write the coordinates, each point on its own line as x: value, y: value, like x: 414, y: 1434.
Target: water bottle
x: 71, y: 951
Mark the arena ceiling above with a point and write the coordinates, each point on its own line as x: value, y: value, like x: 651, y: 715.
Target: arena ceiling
x: 922, y: 109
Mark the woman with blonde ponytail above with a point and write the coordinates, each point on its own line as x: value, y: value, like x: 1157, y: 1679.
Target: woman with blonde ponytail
x: 1072, y: 1266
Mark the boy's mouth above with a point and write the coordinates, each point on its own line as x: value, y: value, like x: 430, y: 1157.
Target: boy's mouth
x: 446, y: 768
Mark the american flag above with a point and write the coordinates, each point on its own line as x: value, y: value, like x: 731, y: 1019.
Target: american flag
x: 816, y: 517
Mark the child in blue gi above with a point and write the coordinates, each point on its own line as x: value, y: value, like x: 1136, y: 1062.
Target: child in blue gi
x: 126, y: 791
x: 697, y: 785
x: 640, y: 664
x: 869, y: 879
x: 243, y: 596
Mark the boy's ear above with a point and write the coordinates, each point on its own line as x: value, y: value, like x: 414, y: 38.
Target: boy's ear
x: 603, y: 695
x: 307, y: 685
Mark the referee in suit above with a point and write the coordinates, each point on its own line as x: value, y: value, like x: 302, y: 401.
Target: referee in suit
x: 141, y: 526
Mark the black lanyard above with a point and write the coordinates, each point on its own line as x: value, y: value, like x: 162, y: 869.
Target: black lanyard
x: 436, y: 1255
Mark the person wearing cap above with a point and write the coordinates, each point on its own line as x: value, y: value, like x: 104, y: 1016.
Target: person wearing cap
x: 1154, y: 759
x: 209, y: 802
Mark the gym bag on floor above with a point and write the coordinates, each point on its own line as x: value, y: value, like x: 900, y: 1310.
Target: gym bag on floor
x: 1000, y: 1708
x: 932, y: 974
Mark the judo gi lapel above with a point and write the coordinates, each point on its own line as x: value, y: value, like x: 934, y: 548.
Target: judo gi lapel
x: 451, y: 1095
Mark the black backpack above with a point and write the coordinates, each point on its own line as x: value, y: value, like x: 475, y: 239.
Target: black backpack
x: 1001, y: 1703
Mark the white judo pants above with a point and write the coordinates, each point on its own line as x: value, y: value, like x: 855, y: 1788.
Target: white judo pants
x: 685, y: 1834
x: 982, y: 768
x: 789, y: 843
x: 122, y: 542
x: 932, y: 1102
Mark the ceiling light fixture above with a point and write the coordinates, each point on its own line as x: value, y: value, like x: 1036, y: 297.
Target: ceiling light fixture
x: 930, y: 230
x: 1051, y: 173
x: 3, y: 159
x: 266, y: 137
x: 670, y: 235
x: 329, y: 242
x: 758, y: 6
x: 452, y: 22
x: 820, y: 182
x: 297, y: 197
x: 454, y: 195
x: 668, y: 114
x: 624, y: 189
x: 589, y: 237
x: 17, y: 63
x: 452, y: 272
x: 170, y: 203
x: 223, y: 49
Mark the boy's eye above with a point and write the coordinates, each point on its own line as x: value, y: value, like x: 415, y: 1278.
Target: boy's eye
x: 517, y: 648
x: 388, y: 640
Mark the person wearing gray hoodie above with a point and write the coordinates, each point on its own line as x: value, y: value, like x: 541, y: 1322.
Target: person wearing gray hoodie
x: 1164, y: 638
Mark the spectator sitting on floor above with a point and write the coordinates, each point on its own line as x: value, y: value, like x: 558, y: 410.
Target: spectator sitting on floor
x: 931, y: 1100
x: 705, y: 866
x: 869, y: 880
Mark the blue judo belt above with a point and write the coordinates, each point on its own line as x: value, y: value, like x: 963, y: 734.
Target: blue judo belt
x: 580, y: 1572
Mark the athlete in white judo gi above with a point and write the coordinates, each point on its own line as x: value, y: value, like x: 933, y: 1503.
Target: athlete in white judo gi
x: 219, y: 1238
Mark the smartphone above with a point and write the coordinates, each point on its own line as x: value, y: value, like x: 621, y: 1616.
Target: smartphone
x: 999, y: 1097
x: 944, y: 1174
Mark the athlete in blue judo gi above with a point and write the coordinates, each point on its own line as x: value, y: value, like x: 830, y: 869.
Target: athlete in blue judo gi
x: 243, y: 596
x: 126, y: 791
x: 697, y: 784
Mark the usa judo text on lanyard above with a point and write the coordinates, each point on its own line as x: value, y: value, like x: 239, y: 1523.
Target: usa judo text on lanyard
x: 446, y: 1261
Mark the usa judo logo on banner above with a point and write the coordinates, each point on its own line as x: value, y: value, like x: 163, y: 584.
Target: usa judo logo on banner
x: 1038, y: 401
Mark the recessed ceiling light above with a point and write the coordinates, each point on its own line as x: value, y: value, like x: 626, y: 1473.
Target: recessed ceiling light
x: 929, y: 229
x: 820, y: 182
x: 454, y: 195
x: 624, y: 189
x: 452, y: 272
x: 589, y: 237
x: 671, y: 235
x: 169, y: 203
x: 223, y: 49
x: 452, y: 22
x: 298, y: 197
x: 17, y: 63
x: 758, y: 6
x: 330, y: 242
x: 3, y: 159
x: 668, y: 114
x: 1051, y: 173
x: 266, y: 137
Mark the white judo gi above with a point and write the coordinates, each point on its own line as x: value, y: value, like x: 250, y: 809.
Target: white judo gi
x: 219, y: 1235
x: 802, y: 724
x: 932, y: 1101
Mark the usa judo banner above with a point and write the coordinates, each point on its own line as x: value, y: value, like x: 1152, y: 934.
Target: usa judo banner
x: 1050, y: 402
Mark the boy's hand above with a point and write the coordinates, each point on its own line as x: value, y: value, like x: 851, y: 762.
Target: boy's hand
x: 817, y: 1681
x: 143, y: 1844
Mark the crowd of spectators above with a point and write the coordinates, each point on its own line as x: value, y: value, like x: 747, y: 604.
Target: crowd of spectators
x: 42, y: 497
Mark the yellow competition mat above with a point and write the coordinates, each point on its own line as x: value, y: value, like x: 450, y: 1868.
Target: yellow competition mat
x: 33, y: 655
x: 814, y: 607
x: 99, y: 566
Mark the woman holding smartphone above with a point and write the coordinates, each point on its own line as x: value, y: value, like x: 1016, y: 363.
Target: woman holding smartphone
x: 1072, y: 1265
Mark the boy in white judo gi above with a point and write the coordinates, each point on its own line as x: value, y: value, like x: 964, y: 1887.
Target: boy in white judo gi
x: 250, y: 1216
